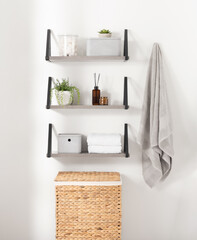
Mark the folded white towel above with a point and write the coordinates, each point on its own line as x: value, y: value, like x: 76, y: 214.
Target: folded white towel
x: 96, y: 139
x: 104, y: 149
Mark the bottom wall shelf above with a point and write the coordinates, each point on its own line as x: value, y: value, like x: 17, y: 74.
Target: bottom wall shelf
x: 85, y: 154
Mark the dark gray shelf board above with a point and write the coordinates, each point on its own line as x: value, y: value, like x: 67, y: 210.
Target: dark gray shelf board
x: 87, y: 155
x: 86, y: 59
x: 88, y: 107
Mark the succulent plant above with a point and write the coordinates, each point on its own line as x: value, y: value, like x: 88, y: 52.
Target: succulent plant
x: 104, y: 31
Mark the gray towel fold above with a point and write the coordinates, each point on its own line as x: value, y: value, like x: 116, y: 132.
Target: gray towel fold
x: 155, y: 133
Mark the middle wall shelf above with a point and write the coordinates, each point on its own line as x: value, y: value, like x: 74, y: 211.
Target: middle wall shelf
x: 87, y: 107
x: 78, y: 106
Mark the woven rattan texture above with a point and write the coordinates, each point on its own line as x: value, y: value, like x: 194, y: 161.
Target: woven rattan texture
x: 88, y: 176
x: 88, y: 212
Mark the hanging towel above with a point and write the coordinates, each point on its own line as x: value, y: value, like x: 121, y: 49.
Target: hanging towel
x: 155, y: 135
x: 104, y: 149
x: 97, y: 139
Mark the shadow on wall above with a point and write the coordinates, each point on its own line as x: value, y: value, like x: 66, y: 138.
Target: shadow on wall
x: 185, y: 129
x: 16, y: 121
x: 132, y: 199
x: 138, y: 50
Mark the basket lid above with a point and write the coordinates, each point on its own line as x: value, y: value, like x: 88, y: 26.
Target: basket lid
x: 87, y: 176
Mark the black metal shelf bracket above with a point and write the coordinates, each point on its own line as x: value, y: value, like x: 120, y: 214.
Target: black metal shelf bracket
x: 125, y: 95
x: 48, y: 46
x: 126, y: 54
x: 49, y: 150
x: 126, y: 141
x: 48, y: 106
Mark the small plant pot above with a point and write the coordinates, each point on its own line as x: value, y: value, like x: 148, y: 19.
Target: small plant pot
x: 64, y: 97
x: 104, y: 35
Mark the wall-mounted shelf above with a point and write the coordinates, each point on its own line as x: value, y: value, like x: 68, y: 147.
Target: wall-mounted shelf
x: 88, y: 155
x: 50, y: 58
x: 96, y: 107
x: 124, y: 106
x: 86, y: 59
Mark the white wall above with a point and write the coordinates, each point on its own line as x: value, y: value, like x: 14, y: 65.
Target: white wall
x: 27, y: 205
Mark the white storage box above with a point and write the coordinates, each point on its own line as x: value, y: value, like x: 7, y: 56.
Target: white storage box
x: 69, y: 143
x: 103, y: 47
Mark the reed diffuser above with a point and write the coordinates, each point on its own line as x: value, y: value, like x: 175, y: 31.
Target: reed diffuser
x: 96, y: 91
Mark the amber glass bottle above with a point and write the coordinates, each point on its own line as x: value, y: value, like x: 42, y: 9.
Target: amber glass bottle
x: 95, y: 96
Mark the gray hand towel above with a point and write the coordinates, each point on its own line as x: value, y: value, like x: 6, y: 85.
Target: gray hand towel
x: 155, y: 135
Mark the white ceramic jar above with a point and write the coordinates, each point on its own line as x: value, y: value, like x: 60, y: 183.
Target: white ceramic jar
x: 64, y: 97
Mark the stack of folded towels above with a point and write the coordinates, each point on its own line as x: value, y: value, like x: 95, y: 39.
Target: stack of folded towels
x: 104, y: 143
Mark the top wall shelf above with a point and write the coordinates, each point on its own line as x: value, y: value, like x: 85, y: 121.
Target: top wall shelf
x: 50, y: 58
x: 86, y: 59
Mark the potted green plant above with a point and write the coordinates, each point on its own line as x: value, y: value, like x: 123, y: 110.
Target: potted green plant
x: 104, y: 33
x: 64, y: 92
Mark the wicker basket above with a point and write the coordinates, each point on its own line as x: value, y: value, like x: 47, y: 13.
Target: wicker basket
x: 88, y: 205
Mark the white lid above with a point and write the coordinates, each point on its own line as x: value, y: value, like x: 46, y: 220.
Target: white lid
x: 83, y: 183
x: 69, y: 135
x: 111, y: 38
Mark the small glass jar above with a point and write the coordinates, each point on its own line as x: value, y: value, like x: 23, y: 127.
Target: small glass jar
x: 68, y: 45
x: 103, y: 101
